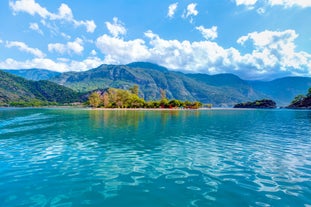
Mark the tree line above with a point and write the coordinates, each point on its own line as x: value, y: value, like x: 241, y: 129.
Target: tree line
x: 119, y: 98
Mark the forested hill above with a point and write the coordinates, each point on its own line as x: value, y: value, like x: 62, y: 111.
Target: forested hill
x: 17, y: 89
x: 219, y: 90
x: 152, y: 78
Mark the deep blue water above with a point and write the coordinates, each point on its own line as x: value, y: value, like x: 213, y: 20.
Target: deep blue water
x: 66, y: 157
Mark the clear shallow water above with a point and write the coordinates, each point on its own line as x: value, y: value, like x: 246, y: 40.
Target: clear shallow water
x: 59, y: 157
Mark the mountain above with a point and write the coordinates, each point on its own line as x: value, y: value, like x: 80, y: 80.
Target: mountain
x: 34, y: 74
x: 152, y: 78
x: 219, y: 90
x: 283, y: 90
x: 16, y: 89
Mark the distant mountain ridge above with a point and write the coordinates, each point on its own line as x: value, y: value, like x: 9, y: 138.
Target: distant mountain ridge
x: 220, y: 90
x: 34, y: 73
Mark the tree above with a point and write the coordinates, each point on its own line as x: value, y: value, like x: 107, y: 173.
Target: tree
x: 135, y: 89
x: 309, y: 93
x: 163, y: 94
x: 94, y: 99
x: 105, y: 100
x: 298, y: 99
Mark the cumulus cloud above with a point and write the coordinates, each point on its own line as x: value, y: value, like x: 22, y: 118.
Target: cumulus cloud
x: 290, y: 3
x: 64, y: 13
x: 271, y: 52
x: 62, y: 65
x: 25, y: 48
x: 116, y: 28
x: 118, y: 51
x: 208, y: 33
x: 172, y: 9
x: 276, y: 50
x: 190, y: 12
x: 35, y: 27
x: 69, y: 48
x: 283, y: 3
x: 245, y: 2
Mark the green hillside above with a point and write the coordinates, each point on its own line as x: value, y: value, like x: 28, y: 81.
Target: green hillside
x: 220, y: 90
x: 17, y: 89
x: 151, y: 79
x: 34, y: 74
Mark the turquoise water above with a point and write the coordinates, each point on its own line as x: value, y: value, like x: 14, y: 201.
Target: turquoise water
x: 61, y: 157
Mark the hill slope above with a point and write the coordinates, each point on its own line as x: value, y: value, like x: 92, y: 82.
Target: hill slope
x: 283, y: 90
x: 220, y: 90
x: 34, y: 74
x: 151, y: 78
x: 14, y: 88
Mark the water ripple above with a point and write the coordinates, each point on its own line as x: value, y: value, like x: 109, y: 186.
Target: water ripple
x: 234, y: 158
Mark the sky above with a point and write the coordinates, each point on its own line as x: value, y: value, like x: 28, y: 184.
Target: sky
x: 255, y: 39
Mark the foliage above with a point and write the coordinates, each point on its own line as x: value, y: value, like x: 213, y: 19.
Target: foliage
x: 94, y: 99
x: 298, y: 98
x: 119, y: 98
x: 15, y: 90
x: 264, y: 103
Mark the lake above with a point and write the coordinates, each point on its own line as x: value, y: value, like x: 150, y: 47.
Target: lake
x: 76, y: 157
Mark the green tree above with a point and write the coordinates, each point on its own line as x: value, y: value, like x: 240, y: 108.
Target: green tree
x: 298, y: 98
x: 105, y: 100
x: 135, y: 89
x: 309, y: 93
x: 94, y: 99
x: 175, y: 103
x: 163, y: 94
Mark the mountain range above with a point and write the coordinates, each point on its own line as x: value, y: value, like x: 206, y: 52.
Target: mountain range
x: 219, y: 90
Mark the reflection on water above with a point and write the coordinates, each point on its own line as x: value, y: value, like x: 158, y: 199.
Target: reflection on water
x: 151, y: 158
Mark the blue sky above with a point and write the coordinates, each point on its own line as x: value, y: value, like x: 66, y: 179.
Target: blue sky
x: 255, y: 39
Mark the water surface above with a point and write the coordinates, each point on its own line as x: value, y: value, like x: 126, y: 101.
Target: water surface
x: 66, y: 157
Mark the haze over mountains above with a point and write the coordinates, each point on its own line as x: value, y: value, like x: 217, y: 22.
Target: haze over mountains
x: 220, y: 90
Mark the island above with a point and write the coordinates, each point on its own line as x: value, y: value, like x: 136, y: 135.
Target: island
x: 260, y: 104
x: 301, y: 101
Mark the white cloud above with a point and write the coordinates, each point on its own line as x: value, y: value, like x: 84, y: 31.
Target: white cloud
x: 272, y: 53
x: 245, y: 2
x: 35, y: 27
x: 172, y: 9
x: 290, y: 3
x: 275, y: 50
x: 62, y: 65
x: 116, y: 28
x: 69, y: 48
x: 208, y: 33
x: 30, y: 7
x: 64, y: 13
x: 93, y: 53
x: 118, y: 51
x: 190, y: 12
x: 25, y: 48
x: 284, y: 3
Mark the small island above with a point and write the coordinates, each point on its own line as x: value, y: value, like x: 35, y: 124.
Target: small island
x: 129, y: 99
x: 258, y: 104
x: 301, y: 101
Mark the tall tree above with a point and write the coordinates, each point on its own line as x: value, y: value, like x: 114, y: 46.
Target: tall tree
x: 135, y: 89
x: 94, y: 99
x: 163, y: 94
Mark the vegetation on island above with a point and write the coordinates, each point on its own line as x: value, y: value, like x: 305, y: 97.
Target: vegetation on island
x: 302, y: 101
x: 260, y: 104
x: 120, y: 98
